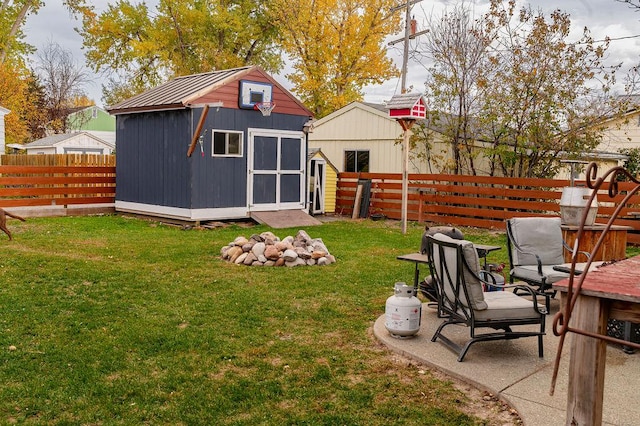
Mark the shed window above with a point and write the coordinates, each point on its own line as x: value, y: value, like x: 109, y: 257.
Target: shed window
x: 356, y: 161
x: 227, y: 143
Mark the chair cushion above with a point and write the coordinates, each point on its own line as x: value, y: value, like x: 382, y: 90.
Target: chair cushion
x: 503, y: 305
x: 474, y: 286
x: 529, y: 273
x: 539, y: 235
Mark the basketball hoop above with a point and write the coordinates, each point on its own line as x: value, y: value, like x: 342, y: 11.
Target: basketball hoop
x: 265, y: 107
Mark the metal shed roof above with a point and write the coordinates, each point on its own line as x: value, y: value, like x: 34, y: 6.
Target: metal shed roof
x: 178, y: 92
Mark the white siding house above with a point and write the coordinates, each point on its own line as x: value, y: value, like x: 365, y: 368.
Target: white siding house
x: 70, y: 143
x: 361, y: 137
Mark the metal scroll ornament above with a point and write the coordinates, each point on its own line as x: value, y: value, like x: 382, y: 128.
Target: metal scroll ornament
x: 562, y: 320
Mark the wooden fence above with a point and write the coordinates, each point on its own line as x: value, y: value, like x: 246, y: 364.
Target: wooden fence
x: 478, y: 201
x: 57, y: 181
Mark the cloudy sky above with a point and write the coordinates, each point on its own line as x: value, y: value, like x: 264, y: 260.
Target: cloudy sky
x: 602, y: 17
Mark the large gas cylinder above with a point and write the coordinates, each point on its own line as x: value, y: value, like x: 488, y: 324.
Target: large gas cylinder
x: 403, y: 311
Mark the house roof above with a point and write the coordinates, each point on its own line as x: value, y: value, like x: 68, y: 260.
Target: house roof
x: 53, y: 140
x: 377, y: 109
x: 405, y: 100
x: 182, y: 91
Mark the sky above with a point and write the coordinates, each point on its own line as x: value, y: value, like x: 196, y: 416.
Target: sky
x: 603, y: 18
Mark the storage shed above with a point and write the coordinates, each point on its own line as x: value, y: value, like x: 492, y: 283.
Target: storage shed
x: 323, y: 183
x: 198, y: 148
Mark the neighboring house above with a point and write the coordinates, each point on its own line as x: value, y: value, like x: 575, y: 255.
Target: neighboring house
x: 362, y: 137
x: 68, y: 143
x: 622, y: 132
x: 3, y: 112
x: 94, y: 120
x: 196, y: 148
x: 323, y: 183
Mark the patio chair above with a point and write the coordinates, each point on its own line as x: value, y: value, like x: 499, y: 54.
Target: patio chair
x: 536, y: 253
x: 455, y: 267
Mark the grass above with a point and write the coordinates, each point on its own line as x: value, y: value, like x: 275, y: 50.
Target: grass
x: 116, y: 320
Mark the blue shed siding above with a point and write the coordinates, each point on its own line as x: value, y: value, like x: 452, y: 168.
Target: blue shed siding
x: 153, y: 167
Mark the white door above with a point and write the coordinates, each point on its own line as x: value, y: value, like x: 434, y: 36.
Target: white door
x: 277, y: 167
x: 318, y: 178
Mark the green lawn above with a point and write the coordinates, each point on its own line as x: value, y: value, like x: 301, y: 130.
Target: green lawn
x: 116, y: 320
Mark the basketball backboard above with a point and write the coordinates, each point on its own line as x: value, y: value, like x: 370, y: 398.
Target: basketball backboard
x: 253, y: 92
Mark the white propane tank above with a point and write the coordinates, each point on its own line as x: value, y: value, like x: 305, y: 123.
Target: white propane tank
x: 403, y: 311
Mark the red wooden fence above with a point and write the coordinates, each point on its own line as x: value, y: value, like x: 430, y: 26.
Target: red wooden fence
x: 57, y: 185
x: 478, y: 201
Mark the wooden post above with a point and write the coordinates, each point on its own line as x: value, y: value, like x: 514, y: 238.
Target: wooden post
x: 406, y: 124
x: 588, y: 360
x: 196, y: 135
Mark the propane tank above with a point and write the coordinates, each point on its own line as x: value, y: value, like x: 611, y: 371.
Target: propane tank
x: 403, y: 312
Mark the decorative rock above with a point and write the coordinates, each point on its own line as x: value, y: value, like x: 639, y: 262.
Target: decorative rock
x: 289, y: 255
x: 302, y: 253
x: 272, y: 253
x: 234, y: 252
x: 317, y: 254
x: 250, y: 259
x: 283, y: 245
x: 297, y: 262
x: 257, y: 238
x: 268, y: 236
x: 303, y: 236
x: 288, y: 239
x: 266, y: 249
x: 258, y: 248
x: 240, y: 241
x: 318, y: 245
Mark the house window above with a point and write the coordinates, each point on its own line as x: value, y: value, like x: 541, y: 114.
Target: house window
x: 356, y: 161
x: 227, y: 143
x: 94, y: 112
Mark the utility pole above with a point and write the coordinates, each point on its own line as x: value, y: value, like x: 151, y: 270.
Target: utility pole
x: 409, y: 33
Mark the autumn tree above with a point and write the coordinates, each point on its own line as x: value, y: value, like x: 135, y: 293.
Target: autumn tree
x: 138, y: 48
x: 457, y: 47
x: 547, y: 95
x: 516, y: 95
x: 63, y: 81
x: 13, y: 14
x: 336, y: 48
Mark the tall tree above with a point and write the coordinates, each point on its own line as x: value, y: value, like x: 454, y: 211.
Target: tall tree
x: 457, y: 46
x: 18, y: 94
x: 138, y: 48
x: 515, y: 94
x: 545, y: 105
x: 337, y: 48
x: 13, y: 14
x: 63, y: 81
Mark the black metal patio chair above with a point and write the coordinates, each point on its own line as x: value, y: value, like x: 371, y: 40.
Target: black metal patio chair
x: 455, y: 267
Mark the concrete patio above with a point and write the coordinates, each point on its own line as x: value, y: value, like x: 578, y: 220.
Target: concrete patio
x: 512, y: 370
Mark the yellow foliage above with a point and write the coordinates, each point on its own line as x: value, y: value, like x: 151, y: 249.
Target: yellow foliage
x: 337, y: 48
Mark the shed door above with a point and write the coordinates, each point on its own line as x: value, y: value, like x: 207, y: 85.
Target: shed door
x: 276, y: 170
x: 318, y: 178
